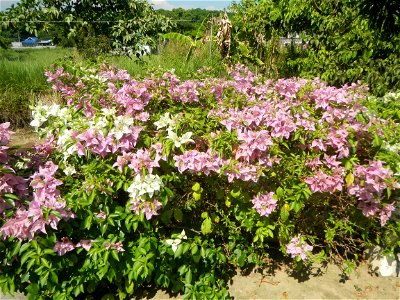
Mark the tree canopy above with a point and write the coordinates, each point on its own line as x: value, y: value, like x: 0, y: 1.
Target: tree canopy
x: 125, y: 22
x: 347, y: 40
x: 187, y: 21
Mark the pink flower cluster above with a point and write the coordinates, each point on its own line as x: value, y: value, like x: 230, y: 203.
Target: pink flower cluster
x: 298, y: 248
x: 321, y: 182
x: 186, y: 92
x: 94, y: 141
x: 255, y: 144
x: 13, y: 184
x: 46, y: 199
x: 137, y: 161
x: 5, y: 134
x: 65, y: 245
x: 115, y: 246
x: 195, y: 161
x: 369, y: 187
x: 132, y: 97
x: 265, y: 204
x: 10, y: 183
x: 205, y: 162
x: 149, y: 208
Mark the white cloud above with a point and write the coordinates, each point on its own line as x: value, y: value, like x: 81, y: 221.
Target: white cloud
x: 189, y: 4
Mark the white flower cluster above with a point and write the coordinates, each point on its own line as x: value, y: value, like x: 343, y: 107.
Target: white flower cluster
x: 166, y: 121
x: 122, y: 125
x: 93, y: 77
x: 179, y: 140
x: 395, y: 148
x: 149, y: 184
x: 390, y: 97
x: 41, y: 113
x: 174, y: 243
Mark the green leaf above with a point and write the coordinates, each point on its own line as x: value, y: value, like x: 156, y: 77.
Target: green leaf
x: 296, y: 206
x: 178, y: 251
x: 178, y: 37
x: 88, y: 221
x: 178, y: 215
x: 16, y: 249
x: 235, y: 193
x: 279, y: 192
x: 166, y: 216
x: 196, y: 187
x: 195, y: 249
x: 196, y: 196
x: 33, y: 289
x: 188, y: 276
x: 129, y: 287
x: 349, y: 179
x: 114, y: 254
x: 284, y: 213
x: 206, y: 226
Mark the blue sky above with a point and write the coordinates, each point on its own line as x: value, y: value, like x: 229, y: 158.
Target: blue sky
x: 166, y: 4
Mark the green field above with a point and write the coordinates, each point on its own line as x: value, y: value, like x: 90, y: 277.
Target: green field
x: 23, y: 81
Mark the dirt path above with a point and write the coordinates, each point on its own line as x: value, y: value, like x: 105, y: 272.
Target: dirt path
x: 323, y: 283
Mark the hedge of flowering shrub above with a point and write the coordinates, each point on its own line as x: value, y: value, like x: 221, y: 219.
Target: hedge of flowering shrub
x: 172, y: 183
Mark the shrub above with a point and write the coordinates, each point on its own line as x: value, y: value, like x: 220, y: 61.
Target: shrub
x: 174, y: 183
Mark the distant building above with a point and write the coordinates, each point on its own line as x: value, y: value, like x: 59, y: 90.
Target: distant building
x: 292, y: 38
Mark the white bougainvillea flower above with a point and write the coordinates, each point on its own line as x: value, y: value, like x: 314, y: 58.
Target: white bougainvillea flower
x: 174, y: 243
x: 69, y: 170
x: 108, y: 112
x: 39, y: 116
x: 122, y: 125
x: 149, y: 184
x: 179, y: 140
x: 166, y: 121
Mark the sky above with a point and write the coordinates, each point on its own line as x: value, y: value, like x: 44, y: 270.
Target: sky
x: 165, y: 4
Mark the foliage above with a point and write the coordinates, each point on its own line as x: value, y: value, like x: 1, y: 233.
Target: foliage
x: 176, y: 183
x: 344, y: 39
x: 23, y: 81
x: 21, y: 72
x: 386, y: 107
x: 187, y: 21
x: 125, y: 22
x: 195, y: 42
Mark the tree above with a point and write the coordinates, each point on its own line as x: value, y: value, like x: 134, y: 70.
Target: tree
x: 189, y: 20
x: 347, y: 40
x: 124, y: 22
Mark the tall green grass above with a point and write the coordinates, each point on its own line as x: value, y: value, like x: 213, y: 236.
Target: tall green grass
x: 23, y: 83
x: 172, y: 57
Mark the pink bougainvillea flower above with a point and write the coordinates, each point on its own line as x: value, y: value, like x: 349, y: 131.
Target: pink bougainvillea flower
x: 265, y: 204
x: 64, y: 246
x: 298, y: 248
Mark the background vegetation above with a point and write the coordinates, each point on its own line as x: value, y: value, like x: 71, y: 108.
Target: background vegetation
x: 346, y: 41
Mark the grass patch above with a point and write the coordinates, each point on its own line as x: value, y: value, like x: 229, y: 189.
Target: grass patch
x: 172, y: 57
x: 24, y: 83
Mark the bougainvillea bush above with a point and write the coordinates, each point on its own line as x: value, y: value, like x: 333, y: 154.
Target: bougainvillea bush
x: 169, y: 183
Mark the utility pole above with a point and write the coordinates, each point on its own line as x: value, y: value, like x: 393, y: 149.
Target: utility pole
x: 211, y: 35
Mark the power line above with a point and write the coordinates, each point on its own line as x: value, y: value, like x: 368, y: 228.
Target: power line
x: 99, y: 21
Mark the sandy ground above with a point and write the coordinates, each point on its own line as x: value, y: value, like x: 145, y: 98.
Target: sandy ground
x: 319, y: 283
